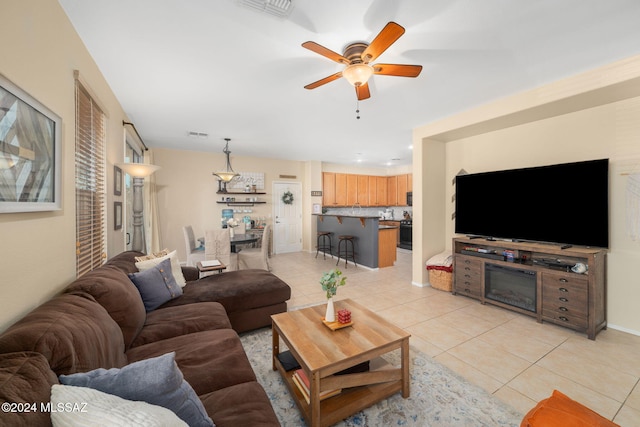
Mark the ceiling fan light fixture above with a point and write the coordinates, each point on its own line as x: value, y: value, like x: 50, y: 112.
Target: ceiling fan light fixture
x: 358, y: 74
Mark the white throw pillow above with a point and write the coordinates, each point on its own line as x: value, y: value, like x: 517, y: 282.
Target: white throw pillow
x: 82, y: 406
x: 176, y: 270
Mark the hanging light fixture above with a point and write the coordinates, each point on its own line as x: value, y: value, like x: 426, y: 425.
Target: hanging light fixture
x: 228, y: 174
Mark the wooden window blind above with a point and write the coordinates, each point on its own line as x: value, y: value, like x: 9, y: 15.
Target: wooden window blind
x: 90, y: 183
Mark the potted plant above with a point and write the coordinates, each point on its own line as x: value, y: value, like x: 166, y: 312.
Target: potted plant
x: 330, y: 282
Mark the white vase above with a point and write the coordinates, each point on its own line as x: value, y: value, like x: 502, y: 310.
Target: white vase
x: 330, y: 315
x: 231, y: 232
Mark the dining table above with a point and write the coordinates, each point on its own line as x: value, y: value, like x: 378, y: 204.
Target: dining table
x: 237, y: 239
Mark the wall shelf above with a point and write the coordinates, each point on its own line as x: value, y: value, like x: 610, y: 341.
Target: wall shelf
x: 239, y: 203
x: 239, y: 192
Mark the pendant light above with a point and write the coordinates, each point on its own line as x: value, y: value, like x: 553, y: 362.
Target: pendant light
x: 228, y: 174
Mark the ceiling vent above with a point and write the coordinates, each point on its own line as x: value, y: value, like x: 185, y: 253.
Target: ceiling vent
x: 281, y: 8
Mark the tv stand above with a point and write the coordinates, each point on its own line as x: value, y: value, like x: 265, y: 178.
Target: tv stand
x: 562, y: 297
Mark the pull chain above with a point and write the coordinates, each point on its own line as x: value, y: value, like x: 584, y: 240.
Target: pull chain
x: 358, y: 109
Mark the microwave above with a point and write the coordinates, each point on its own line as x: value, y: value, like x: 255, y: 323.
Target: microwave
x: 409, y: 198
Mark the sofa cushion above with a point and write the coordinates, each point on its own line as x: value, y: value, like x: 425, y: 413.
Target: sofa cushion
x: 72, y: 331
x: 175, y: 321
x: 209, y: 360
x: 111, y: 287
x: 155, y: 259
x: 561, y: 411
x: 125, y: 261
x: 156, y: 380
x: 25, y: 377
x: 244, y: 404
x: 95, y: 408
x: 156, y: 285
x: 259, y: 288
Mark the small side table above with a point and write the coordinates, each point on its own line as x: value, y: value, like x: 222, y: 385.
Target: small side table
x: 203, y: 269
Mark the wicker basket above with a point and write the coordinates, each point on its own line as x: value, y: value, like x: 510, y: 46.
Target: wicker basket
x: 442, y: 280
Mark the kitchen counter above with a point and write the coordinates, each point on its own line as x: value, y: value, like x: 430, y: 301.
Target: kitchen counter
x: 367, y: 232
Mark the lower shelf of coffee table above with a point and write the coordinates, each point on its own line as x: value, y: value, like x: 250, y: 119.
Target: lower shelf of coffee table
x: 350, y: 401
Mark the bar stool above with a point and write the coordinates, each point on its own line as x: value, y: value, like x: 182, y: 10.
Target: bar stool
x: 323, y: 238
x: 346, y: 239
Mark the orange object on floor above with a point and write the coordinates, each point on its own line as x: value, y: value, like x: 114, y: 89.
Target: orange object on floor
x: 562, y: 411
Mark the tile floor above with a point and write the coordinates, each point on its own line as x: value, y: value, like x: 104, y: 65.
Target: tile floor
x: 508, y: 354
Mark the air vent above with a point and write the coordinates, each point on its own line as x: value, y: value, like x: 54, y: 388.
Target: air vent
x: 280, y: 8
x: 198, y: 134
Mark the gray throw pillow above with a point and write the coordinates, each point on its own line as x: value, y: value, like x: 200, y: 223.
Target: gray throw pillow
x: 157, y: 380
x: 156, y: 285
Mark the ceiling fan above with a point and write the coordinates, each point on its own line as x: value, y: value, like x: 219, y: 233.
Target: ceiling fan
x: 357, y: 57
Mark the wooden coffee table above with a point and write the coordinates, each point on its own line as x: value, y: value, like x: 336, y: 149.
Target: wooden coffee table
x: 321, y: 352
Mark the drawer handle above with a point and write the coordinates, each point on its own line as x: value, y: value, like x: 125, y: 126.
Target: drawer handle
x: 467, y: 283
x: 563, y: 289
x: 564, y: 319
x: 467, y: 268
x: 468, y: 276
x: 467, y: 290
x: 563, y: 299
x: 563, y: 280
x: 564, y: 309
x: 466, y: 261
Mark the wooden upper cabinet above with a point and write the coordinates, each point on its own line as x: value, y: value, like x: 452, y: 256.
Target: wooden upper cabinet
x: 393, y: 191
x: 381, y: 191
x: 328, y: 189
x: 341, y: 189
x: 402, y: 189
x: 352, y: 189
x: 363, y: 190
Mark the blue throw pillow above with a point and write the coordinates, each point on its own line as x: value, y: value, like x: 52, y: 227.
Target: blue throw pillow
x: 156, y: 285
x: 158, y: 381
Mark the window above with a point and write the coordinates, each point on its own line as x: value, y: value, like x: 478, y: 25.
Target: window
x: 90, y: 182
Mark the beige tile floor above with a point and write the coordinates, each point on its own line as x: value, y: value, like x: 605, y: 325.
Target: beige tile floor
x: 508, y: 354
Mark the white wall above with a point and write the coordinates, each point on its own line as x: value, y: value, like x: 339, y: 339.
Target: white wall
x: 40, y: 52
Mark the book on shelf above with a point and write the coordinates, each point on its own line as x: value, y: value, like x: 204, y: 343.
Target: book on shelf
x: 210, y: 263
x: 301, y: 380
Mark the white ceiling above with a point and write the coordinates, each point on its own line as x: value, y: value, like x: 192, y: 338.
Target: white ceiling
x: 230, y: 71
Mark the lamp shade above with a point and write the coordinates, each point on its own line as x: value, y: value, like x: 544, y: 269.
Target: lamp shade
x: 138, y: 170
x: 358, y: 74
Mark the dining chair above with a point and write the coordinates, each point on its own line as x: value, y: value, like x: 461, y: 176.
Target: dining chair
x: 194, y: 254
x: 217, y: 245
x: 256, y: 257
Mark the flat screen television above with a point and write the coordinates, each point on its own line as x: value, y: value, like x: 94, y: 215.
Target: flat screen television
x: 565, y: 203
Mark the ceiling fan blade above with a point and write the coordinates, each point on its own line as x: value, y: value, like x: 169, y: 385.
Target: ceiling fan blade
x: 389, y: 34
x: 362, y: 91
x: 327, y: 53
x: 326, y: 80
x: 397, y: 70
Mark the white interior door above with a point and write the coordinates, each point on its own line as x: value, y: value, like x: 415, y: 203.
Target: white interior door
x: 287, y: 222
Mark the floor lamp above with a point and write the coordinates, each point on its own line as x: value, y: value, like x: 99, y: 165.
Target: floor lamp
x: 138, y: 171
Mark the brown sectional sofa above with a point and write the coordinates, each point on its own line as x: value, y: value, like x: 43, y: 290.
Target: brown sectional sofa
x: 99, y: 321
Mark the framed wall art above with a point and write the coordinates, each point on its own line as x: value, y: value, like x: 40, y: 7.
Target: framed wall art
x: 117, y: 181
x: 117, y: 215
x: 30, y: 140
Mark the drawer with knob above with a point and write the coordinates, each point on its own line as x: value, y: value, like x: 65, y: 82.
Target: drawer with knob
x: 468, y: 276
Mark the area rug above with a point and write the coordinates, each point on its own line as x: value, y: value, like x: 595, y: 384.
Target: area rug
x: 439, y: 396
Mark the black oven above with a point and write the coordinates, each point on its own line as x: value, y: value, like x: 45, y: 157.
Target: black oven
x: 405, y: 234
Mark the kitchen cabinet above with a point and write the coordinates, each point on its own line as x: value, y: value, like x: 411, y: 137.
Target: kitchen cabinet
x: 363, y: 190
x: 352, y: 189
x: 334, y: 189
x: 393, y: 195
x: 342, y: 189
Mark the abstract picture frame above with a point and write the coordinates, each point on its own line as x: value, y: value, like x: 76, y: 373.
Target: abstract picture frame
x: 117, y: 215
x: 117, y: 181
x: 30, y: 153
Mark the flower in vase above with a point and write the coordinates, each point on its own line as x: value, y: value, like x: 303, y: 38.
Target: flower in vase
x: 232, y: 222
x: 330, y: 282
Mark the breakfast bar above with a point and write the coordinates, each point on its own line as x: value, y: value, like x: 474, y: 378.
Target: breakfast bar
x: 371, y: 250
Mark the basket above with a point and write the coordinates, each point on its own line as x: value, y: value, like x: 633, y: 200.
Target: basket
x: 442, y: 280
